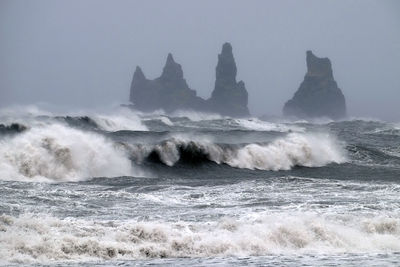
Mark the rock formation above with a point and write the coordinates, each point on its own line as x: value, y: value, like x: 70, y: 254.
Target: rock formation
x: 229, y: 97
x: 318, y: 95
x: 170, y: 91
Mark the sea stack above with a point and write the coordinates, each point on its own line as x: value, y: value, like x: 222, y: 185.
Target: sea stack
x: 229, y: 97
x: 168, y: 92
x: 318, y: 95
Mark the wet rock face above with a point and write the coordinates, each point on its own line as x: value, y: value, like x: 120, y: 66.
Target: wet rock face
x: 318, y: 95
x: 229, y: 97
x: 170, y: 91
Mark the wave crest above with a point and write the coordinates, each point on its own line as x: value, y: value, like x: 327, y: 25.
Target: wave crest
x: 59, y: 153
x: 295, y: 149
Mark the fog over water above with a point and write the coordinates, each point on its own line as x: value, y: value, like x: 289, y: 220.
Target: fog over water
x: 82, y: 54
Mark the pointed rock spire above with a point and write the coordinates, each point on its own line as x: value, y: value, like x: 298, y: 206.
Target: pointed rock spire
x: 318, y: 95
x: 172, y: 71
x: 170, y: 59
x: 226, y: 67
x: 229, y: 97
x: 138, y: 81
x: 138, y: 75
x: 171, y: 92
x: 168, y: 92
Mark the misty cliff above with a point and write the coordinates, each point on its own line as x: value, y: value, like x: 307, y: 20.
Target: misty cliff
x: 318, y: 95
x: 170, y: 91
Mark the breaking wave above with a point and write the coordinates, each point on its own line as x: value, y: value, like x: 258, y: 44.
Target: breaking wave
x: 259, y: 125
x: 115, y: 123
x: 59, y: 153
x: 196, y: 115
x: 295, y: 149
x: 56, y: 152
x: 49, y: 239
x: 112, y: 121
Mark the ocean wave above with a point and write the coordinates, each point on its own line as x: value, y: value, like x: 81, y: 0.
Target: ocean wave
x: 12, y: 128
x: 386, y: 129
x: 115, y: 123
x: 367, y: 155
x: 56, y: 152
x: 295, y: 149
x: 117, y: 119
x: 48, y: 239
x: 59, y: 153
x: 196, y: 115
x: 166, y: 121
x: 259, y: 125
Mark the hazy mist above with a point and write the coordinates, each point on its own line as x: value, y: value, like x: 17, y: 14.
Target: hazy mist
x: 82, y: 54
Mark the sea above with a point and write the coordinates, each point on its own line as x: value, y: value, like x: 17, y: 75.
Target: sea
x: 127, y: 188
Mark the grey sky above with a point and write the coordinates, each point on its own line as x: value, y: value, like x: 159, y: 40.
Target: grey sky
x: 83, y: 53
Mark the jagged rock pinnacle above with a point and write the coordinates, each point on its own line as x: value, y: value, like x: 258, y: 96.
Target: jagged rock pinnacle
x: 138, y: 75
x: 170, y: 91
x: 229, y: 97
x: 172, y: 70
x: 226, y: 68
x: 318, y: 95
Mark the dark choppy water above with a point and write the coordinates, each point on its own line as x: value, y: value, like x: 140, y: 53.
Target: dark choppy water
x: 193, y: 189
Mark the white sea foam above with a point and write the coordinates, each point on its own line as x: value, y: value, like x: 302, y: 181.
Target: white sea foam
x: 117, y: 119
x: 25, y: 115
x: 166, y: 121
x: 120, y: 122
x: 192, y: 115
x: 259, y: 125
x: 295, y: 149
x: 113, y: 120
x: 196, y: 115
x: 162, y: 118
x: 310, y: 150
x: 42, y: 239
x: 59, y: 153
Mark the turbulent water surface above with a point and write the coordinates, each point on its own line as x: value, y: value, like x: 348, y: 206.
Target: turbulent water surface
x: 190, y: 189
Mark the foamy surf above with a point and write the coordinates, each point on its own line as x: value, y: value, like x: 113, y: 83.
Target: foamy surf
x: 43, y: 239
x: 196, y: 115
x: 204, y: 203
x: 115, y: 123
x: 259, y: 125
x: 295, y: 149
x: 309, y: 150
x: 60, y: 153
x: 117, y: 119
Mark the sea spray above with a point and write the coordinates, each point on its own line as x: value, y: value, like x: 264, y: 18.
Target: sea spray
x: 309, y: 150
x: 115, y: 123
x: 254, y: 124
x: 59, y: 153
x: 284, y: 153
x: 197, y: 115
